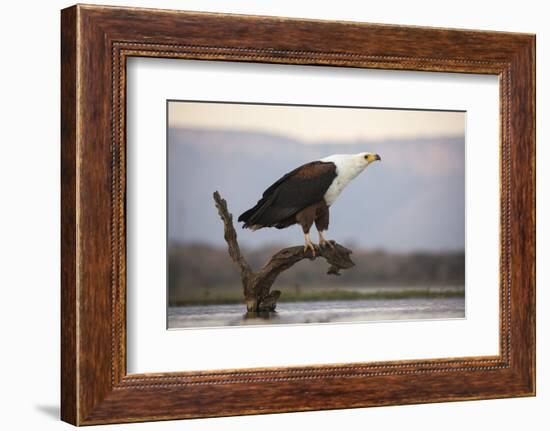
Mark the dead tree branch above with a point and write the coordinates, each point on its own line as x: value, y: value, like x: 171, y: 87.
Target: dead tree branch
x: 257, y: 285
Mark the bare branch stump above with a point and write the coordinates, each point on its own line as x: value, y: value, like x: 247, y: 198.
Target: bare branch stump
x: 259, y: 297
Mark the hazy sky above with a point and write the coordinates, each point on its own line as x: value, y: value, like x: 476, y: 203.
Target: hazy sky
x: 312, y: 124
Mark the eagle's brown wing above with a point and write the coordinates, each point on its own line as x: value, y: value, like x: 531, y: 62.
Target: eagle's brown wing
x: 290, y: 194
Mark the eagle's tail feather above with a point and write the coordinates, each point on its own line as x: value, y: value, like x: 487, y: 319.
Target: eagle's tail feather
x: 251, y: 216
x: 244, y: 217
x: 264, y: 214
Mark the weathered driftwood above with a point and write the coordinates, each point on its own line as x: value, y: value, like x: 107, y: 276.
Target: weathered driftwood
x: 257, y: 285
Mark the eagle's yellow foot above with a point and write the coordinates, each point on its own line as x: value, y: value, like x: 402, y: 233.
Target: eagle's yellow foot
x: 324, y: 242
x: 309, y: 245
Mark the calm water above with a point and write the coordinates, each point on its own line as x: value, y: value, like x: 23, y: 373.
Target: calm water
x: 319, y: 312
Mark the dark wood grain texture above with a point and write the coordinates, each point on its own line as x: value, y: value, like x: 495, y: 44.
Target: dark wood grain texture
x: 96, y: 41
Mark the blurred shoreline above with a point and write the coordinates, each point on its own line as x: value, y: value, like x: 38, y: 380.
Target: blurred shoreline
x: 312, y: 294
x: 199, y: 273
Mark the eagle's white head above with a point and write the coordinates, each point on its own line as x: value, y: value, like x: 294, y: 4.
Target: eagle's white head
x: 365, y: 159
x: 348, y: 166
x: 352, y: 163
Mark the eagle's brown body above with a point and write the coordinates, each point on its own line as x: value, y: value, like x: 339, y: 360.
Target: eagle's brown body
x: 317, y: 213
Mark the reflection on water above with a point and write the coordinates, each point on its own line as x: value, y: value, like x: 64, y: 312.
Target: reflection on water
x: 319, y: 312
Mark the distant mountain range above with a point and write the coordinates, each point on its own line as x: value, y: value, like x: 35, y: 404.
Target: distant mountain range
x: 412, y: 201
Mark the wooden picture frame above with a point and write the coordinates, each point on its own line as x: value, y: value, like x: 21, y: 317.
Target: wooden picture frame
x: 95, y: 43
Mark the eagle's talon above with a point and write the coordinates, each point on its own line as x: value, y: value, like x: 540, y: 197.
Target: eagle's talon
x: 309, y: 245
x: 327, y: 243
x: 324, y: 242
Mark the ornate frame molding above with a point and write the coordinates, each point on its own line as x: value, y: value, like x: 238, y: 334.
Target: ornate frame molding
x: 96, y: 41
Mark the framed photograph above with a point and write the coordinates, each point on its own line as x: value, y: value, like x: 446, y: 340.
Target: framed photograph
x: 405, y: 223
x: 331, y: 214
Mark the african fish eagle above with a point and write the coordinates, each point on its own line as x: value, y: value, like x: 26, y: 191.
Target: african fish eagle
x: 304, y: 195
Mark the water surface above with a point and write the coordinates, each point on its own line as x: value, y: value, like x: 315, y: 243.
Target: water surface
x: 301, y: 312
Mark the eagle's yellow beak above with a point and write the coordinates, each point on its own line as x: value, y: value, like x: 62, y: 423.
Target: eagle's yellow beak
x: 373, y: 157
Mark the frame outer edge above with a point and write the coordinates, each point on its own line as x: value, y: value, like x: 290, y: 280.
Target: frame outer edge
x: 523, y: 217
x: 69, y: 304
x: 533, y: 54
x: 530, y: 63
x: 532, y: 199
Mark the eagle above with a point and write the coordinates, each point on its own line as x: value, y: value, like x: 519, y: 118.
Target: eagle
x: 303, y: 196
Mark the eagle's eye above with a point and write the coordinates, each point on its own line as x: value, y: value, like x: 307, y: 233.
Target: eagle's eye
x: 366, y: 157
